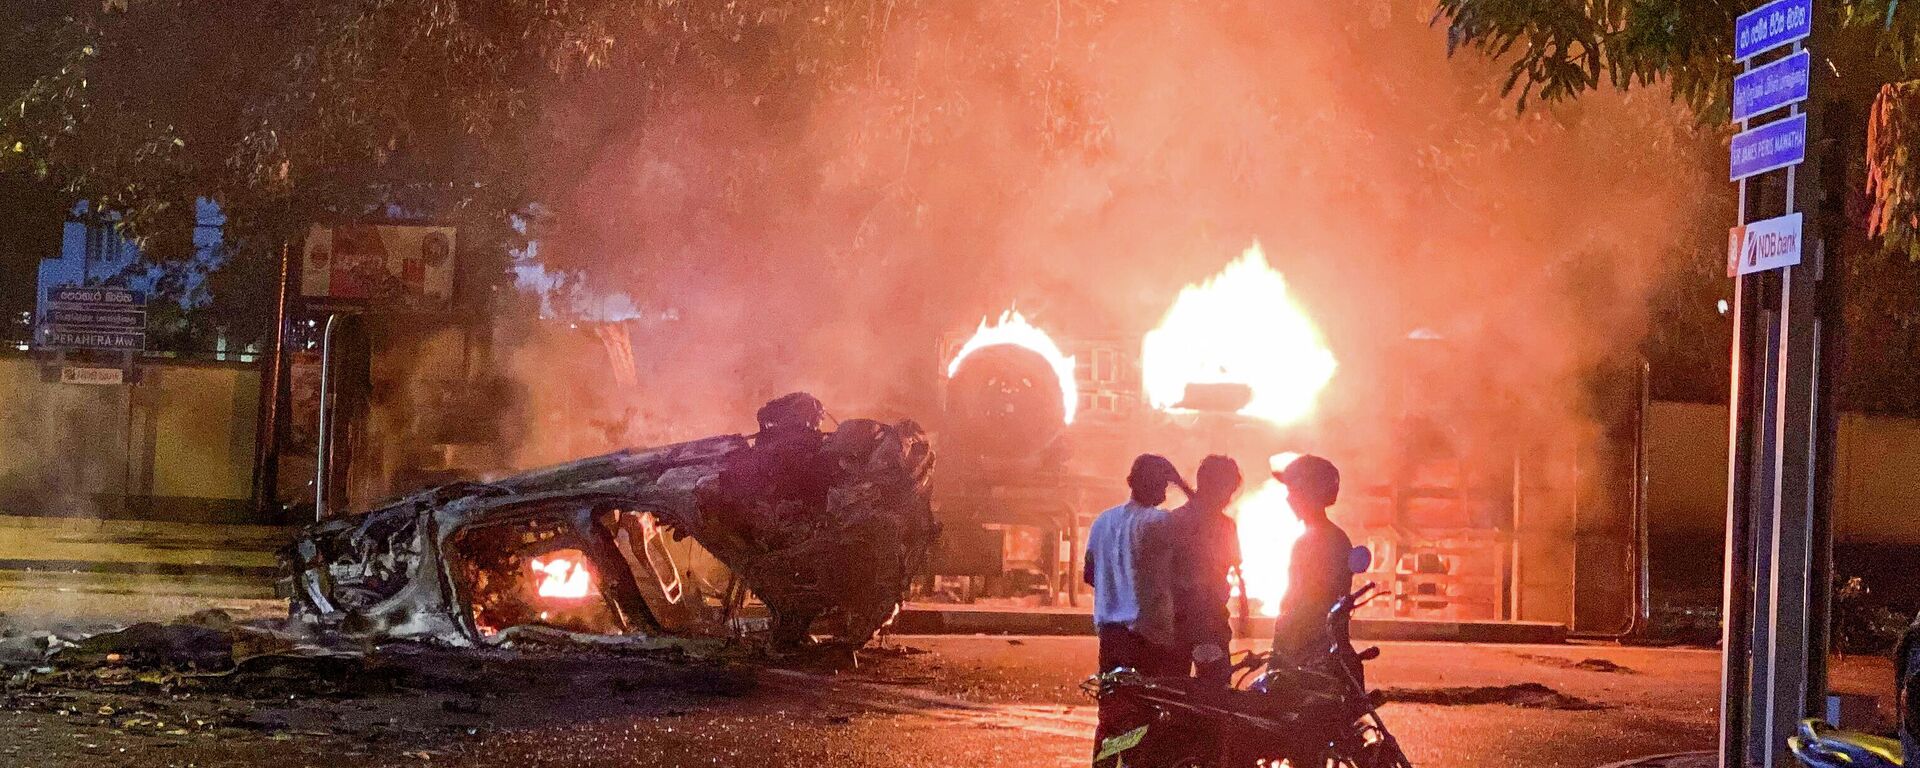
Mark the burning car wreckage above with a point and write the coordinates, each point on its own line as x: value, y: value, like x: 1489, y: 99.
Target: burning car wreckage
x: 825, y: 529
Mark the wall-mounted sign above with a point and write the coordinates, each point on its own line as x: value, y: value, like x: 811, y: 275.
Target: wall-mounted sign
x: 96, y: 318
x: 390, y: 264
x: 94, y: 376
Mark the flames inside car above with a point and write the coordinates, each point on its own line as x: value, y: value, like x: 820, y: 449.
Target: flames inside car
x: 825, y: 530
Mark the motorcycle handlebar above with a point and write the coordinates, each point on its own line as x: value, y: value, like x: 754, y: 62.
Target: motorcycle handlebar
x: 1352, y: 601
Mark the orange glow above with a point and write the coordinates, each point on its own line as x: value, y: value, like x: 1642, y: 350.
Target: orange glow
x: 1014, y: 329
x: 563, y: 576
x: 1239, y: 327
x: 1268, y: 529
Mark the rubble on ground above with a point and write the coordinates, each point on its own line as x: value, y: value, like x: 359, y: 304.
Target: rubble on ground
x: 1523, y: 695
x: 206, y: 678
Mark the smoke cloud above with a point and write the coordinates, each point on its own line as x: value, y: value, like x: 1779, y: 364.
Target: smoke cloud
x: 1083, y: 161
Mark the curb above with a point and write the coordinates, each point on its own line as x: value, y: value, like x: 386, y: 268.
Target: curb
x: 1670, y: 760
x: 940, y: 619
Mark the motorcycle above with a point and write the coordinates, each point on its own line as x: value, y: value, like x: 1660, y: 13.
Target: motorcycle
x: 1819, y: 745
x: 1314, y: 715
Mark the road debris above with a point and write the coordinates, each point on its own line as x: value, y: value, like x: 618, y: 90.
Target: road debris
x: 1523, y: 695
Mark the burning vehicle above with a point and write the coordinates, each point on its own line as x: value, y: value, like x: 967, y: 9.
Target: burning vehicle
x: 824, y: 530
x: 1483, y: 505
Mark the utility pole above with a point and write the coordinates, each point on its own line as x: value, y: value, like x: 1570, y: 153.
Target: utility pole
x: 1777, y: 532
x: 266, y: 433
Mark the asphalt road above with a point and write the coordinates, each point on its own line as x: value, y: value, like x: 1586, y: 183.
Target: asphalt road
x: 917, y: 701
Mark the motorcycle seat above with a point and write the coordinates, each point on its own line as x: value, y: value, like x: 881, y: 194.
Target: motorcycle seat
x: 1854, y: 748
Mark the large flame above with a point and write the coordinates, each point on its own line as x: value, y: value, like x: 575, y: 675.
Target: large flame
x: 1239, y: 327
x: 562, y: 576
x: 1268, y: 529
x: 1013, y: 328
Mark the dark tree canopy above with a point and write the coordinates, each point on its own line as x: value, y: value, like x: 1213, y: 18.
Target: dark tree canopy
x: 293, y: 111
x: 1559, y: 49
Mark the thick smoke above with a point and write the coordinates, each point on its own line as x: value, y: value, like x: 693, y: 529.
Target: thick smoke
x: 1085, y: 160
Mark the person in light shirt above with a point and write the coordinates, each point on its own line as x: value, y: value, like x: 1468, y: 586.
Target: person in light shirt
x: 1130, y: 566
x: 1129, y: 563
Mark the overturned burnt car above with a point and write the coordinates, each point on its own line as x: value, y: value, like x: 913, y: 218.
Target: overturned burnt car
x: 803, y: 533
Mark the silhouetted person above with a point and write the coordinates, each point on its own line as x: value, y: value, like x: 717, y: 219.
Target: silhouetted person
x: 1207, y: 547
x: 1320, y: 573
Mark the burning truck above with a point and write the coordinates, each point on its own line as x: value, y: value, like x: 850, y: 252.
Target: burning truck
x: 817, y: 532
x: 1476, y: 512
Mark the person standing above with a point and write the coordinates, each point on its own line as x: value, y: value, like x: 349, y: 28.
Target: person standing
x: 1130, y: 568
x: 1207, y: 548
x: 1130, y: 572
x: 1321, y: 572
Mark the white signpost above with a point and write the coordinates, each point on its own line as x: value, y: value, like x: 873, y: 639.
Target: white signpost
x: 1779, y: 440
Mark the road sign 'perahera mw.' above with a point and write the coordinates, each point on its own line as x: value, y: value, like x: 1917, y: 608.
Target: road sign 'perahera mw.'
x: 96, y: 317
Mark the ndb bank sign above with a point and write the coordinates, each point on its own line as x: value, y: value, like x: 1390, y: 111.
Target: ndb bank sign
x: 1762, y: 245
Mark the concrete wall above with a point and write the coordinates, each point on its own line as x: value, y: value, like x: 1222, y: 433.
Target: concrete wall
x: 1686, y: 467
x: 1876, y: 496
x: 177, y: 446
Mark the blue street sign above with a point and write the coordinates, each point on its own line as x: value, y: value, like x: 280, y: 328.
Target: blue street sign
x: 115, y: 340
x: 98, y: 317
x: 76, y: 295
x: 1771, y: 26
x: 1771, y: 87
x: 1774, y: 145
x: 91, y: 316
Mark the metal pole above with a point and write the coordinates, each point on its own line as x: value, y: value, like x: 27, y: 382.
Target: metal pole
x: 266, y: 443
x: 1737, y: 605
x: 1513, y: 553
x: 1642, y: 575
x: 1735, y: 613
x: 1771, y: 676
x: 323, y: 448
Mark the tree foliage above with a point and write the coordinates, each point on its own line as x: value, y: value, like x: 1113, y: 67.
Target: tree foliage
x: 294, y: 111
x: 1559, y: 49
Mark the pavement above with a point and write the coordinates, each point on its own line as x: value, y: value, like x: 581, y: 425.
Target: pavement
x: 913, y: 701
x: 1701, y: 759
x: 916, y: 700
x: 952, y: 619
x: 86, y: 571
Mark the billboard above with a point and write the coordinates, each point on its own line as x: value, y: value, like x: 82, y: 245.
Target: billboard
x: 396, y: 265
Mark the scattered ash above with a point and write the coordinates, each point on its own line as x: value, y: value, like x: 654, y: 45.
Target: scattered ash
x: 1523, y: 695
x: 1602, y: 665
x: 207, y: 676
x: 1590, y: 665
